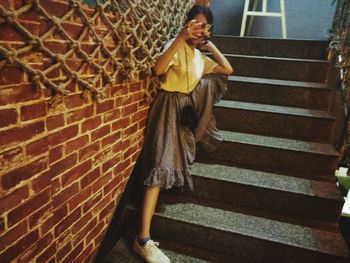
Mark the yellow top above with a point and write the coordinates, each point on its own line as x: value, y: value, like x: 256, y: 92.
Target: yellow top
x: 175, y: 73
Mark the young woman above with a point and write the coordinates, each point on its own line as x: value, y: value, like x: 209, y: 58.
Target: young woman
x: 180, y: 116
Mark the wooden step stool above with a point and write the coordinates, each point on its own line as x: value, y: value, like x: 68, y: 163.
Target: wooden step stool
x: 264, y: 12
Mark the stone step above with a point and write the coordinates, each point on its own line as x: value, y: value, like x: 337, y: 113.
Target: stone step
x: 270, y: 192
x: 303, y: 159
x: 290, y: 48
x: 272, y: 120
x: 177, y: 252
x: 278, y: 68
x: 309, y: 95
x: 253, y: 238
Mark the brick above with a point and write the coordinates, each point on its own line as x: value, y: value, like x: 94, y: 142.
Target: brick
x: 13, y: 199
x: 136, y: 86
x: 96, y: 230
x: 54, y: 122
x: 8, y: 117
x: 121, y: 123
x: 100, y: 133
x: 73, y: 30
x: 11, y: 157
x: 38, y: 147
x: 55, y: 154
x: 63, y: 196
x: 112, y: 184
x: 88, y: 151
x: 140, y: 115
x: 33, y: 111
x: 100, y: 182
x: 18, y: 93
x: 46, y: 254
x: 130, y: 130
x: 67, y: 222
x: 74, y: 64
x: 55, y: 8
x: 75, y: 173
x: 41, y: 215
x: 63, y: 135
x: 21, y: 245
x: 28, y: 207
x: 43, y: 242
x: 101, y: 156
x: 12, y: 235
x: 21, y: 134
x: 63, y: 251
x: 25, y: 172
x: 62, y: 165
x: 128, y: 152
x: 92, y: 201
x: 112, y: 115
x: 111, y: 139
x: 105, y: 211
x: 91, y: 124
x: 126, y: 100
x: 84, y: 256
x: 130, y: 109
x: 118, y: 90
x: 80, y: 114
x: 9, y: 33
x: 2, y: 226
x: 57, y: 47
x: 84, y: 231
x: 74, y: 253
x: 122, y: 166
x: 77, y: 144
x: 90, y: 177
x: 73, y: 101
x: 79, y: 198
x: 104, y: 106
x: 110, y: 163
x: 81, y: 223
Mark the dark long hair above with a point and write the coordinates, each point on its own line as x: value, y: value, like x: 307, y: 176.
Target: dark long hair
x: 198, y: 9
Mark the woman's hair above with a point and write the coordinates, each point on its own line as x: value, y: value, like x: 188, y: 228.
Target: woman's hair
x: 199, y: 9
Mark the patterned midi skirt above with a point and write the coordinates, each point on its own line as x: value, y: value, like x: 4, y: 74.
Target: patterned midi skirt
x: 176, y: 123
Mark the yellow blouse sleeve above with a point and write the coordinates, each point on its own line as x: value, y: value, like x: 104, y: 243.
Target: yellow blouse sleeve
x: 209, y: 65
x: 174, y: 58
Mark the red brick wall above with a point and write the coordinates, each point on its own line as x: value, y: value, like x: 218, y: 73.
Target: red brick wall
x: 63, y: 167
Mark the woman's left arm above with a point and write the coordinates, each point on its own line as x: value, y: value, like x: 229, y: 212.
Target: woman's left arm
x: 223, y: 66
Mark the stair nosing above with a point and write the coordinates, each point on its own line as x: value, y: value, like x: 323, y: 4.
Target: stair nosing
x: 241, y: 180
x: 218, y: 224
x: 277, y: 58
x: 280, y: 82
x: 330, y: 152
x: 274, y: 109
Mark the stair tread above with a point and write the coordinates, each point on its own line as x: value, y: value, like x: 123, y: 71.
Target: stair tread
x: 279, y: 82
x: 280, y: 143
x: 122, y: 253
x: 271, y: 39
x: 261, y: 228
x: 267, y: 180
x: 277, y: 58
x: 274, y: 109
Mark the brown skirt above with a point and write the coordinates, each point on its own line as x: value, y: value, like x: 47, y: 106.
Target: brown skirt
x: 176, y: 122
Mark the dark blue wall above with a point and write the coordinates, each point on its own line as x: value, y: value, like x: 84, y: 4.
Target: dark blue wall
x: 306, y: 19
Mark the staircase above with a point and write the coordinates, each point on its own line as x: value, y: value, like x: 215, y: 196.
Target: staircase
x: 268, y: 194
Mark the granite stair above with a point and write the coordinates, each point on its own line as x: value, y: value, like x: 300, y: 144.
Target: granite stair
x: 268, y: 194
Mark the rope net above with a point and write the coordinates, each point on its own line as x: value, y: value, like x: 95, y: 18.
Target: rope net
x: 108, y: 42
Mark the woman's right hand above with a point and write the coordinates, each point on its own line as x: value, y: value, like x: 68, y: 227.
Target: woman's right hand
x: 192, y: 30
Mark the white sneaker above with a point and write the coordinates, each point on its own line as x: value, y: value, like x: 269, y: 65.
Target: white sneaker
x: 150, y: 252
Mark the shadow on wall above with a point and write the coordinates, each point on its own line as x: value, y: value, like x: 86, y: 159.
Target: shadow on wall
x: 309, y: 19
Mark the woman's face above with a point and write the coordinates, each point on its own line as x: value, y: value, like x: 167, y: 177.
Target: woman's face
x: 201, y: 19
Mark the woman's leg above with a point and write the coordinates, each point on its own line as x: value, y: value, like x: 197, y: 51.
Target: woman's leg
x: 150, y: 199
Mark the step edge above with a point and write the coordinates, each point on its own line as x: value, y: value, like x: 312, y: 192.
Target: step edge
x: 329, y: 153
x: 316, y: 114
x: 217, y: 177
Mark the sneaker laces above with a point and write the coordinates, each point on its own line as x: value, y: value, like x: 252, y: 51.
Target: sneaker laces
x: 152, y: 247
